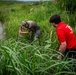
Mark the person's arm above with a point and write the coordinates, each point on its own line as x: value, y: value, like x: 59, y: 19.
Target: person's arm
x: 62, y: 49
x: 21, y: 31
x: 24, y: 32
x: 62, y: 40
x: 22, y: 27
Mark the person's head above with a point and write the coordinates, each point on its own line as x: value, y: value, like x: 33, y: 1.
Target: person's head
x: 55, y: 19
x: 25, y: 24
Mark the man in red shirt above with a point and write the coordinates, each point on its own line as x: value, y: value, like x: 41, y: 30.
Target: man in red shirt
x: 65, y: 36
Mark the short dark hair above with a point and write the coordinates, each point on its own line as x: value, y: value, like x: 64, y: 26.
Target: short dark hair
x: 55, y: 19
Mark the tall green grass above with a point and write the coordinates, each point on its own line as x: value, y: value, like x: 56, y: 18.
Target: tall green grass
x: 17, y: 56
x: 68, y: 5
x: 40, y: 13
x: 69, y: 8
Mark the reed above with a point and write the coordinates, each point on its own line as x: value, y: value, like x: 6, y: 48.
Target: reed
x: 18, y: 57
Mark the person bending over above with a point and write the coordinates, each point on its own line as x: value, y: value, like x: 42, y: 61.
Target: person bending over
x: 30, y: 27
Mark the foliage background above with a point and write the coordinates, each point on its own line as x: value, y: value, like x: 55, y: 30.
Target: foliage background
x: 17, y: 56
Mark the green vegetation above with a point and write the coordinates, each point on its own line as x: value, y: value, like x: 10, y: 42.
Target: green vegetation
x: 68, y: 5
x: 17, y: 56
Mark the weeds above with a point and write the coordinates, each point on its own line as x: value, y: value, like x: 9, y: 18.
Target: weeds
x: 17, y: 56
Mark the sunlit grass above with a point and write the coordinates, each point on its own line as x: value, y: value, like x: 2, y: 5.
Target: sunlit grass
x: 17, y: 56
x: 21, y: 58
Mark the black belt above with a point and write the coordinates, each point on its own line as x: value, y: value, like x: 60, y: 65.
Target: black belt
x: 71, y: 49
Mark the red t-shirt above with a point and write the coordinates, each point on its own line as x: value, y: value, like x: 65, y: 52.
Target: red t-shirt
x: 65, y: 33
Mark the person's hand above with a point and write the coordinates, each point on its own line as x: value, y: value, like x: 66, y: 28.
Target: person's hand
x: 20, y: 36
x: 20, y: 33
x: 59, y: 57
